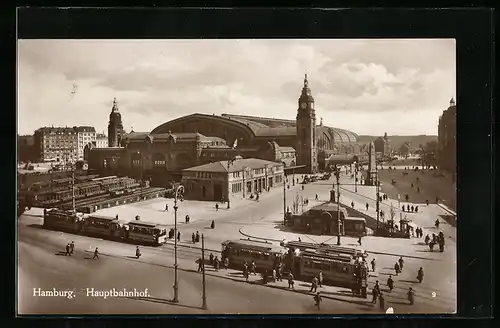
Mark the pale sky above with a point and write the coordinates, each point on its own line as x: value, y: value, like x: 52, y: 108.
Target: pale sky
x: 366, y: 86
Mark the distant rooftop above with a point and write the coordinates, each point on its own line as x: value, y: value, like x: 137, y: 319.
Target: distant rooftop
x: 236, y: 166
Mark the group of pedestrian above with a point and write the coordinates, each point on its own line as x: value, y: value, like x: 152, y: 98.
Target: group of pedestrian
x: 410, y: 209
x: 419, y: 232
x: 316, y: 282
x: 171, y: 234
x: 215, y: 262
x: 195, y: 238
x: 377, y: 295
x: 70, y: 247
x: 436, y: 239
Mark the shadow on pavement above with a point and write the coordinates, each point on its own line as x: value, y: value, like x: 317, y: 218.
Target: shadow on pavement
x: 163, y: 301
x: 409, y: 281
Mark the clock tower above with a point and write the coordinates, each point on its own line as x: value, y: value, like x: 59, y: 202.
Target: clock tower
x: 115, y: 126
x: 306, y: 150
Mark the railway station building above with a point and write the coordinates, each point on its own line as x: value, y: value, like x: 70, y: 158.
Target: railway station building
x: 161, y: 155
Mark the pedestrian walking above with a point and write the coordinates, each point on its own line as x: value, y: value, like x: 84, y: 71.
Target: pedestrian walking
x: 367, y: 206
x: 290, y: 280
x: 279, y: 272
x: 178, y: 236
x: 412, y: 208
x: 72, y: 247
x: 420, y: 275
x: 317, y: 300
x: 374, y: 295
x: 212, y: 225
x: 193, y: 238
x: 377, y: 287
x: 359, y: 240
x: 416, y: 209
x: 68, y: 250
x: 187, y: 218
x: 401, y: 263
x: 96, y: 254
x: 274, y: 275
x: 427, y: 239
x: 352, y: 204
x: 381, y: 301
x: 410, y: 295
x: 316, y: 196
x: 217, y: 207
x: 216, y: 263
x: 314, y: 285
x: 200, y: 264
x: 226, y: 263
x: 320, y: 278
x: 197, y: 237
x: 408, y: 208
x: 166, y: 207
x: 390, y: 283
x: 396, y: 268
x: 211, y: 259
x: 373, y: 265
x: 253, y: 267
x: 427, y: 202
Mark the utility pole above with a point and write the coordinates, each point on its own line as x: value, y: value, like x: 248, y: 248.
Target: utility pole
x: 176, y: 280
x: 204, y: 295
x: 377, y: 182
x: 337, y: 174
x: 73, y: 189
x: 284, y: 200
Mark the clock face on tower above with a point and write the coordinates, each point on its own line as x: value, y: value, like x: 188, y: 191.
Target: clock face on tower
x: 303, y: 105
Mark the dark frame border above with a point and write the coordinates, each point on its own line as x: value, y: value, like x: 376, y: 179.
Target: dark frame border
x: 472, y: 28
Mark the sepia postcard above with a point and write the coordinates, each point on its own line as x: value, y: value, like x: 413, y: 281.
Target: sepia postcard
x: 236, y: 176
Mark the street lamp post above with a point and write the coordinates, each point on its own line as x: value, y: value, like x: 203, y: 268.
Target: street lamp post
x: 377, y: 186
x: 204, y: 295
x: 355, y: 177
x: 337, y: 174
x: 180, y: 189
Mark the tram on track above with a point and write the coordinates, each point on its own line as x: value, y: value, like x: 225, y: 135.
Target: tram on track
x: 136, y: 231
x: 340, y: 266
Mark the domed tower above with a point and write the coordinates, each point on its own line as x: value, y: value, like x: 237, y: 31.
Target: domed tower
x: 115, y: 126
x: 306, y: 150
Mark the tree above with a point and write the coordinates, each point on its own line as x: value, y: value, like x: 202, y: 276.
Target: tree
x: 404, y: 149
x: 429, y: 153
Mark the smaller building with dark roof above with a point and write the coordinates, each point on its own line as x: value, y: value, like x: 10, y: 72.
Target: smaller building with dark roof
x: 234, y: 179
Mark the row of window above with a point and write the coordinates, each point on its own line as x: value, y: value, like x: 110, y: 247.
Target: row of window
x: 204, y: 175
x: 327, y: 267
x: 236, y: 187
x: 159, y: 162
x: 279, y: 179
x: 236, y: 174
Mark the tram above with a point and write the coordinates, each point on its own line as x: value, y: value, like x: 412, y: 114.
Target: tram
x: 146, y: 232
x: 266, y: 255
x: 62, y: 220
x: 340, y: 266
x: 103, y: 226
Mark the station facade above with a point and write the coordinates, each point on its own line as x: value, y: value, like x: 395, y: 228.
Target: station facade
x: 163, y: 153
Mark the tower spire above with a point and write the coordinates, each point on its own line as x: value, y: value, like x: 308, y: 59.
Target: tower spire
x: 306, y: 83
x: 452, y: 102
x: 115, y: 105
